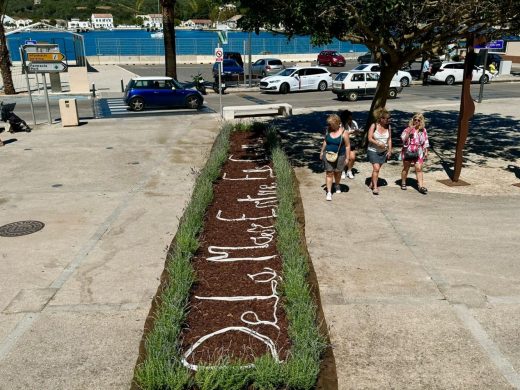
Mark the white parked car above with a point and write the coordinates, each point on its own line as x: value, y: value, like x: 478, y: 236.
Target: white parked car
x: 298, y: 79
x: 453, y: 72
x: 405, y: 78
x: 352, y: 84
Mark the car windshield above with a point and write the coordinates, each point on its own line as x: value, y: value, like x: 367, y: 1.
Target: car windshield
x: 341, y: 76
x: 176, y: 84
x: 360, y: 67
x: 230, y: 63
x: 286, y: 72
x: 275, y: 62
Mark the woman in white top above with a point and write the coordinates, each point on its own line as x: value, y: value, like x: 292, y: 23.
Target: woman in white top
x: 379, y: 145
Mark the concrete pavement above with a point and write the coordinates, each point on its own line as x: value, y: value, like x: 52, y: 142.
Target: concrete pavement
x: 418, y: 291
x: 74, y: 296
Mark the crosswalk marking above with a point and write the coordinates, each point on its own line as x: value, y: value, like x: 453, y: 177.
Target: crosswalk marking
x: 110, y: 107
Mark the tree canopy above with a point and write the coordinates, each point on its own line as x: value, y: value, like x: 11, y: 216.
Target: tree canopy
x: 124, y: 11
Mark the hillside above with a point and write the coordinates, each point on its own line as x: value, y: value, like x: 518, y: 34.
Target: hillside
x: 124, y: 11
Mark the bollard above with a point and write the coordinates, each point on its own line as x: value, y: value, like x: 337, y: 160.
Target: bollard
x: 122, y: 86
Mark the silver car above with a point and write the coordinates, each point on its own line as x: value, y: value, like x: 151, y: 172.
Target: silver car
x: 266, y: 66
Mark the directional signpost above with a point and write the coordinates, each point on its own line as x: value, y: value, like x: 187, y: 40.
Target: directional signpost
x: 47, y: 67
x: 43, y: 58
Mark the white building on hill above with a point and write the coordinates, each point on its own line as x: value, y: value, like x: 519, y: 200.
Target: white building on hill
x: 81, y: 25
x: 102, y: 21
x: 197, y: 23
x: 152, y: 20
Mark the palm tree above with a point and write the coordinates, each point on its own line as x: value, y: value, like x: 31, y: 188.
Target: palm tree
x: 168, y: 12
x: 5, y: 61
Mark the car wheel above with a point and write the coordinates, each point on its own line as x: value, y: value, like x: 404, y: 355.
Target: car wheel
x: 322, y: 86
x: 484, y: 79
x: 137, y: 104
x: 193, y: 101
x: 330, y: 63
x: 352, y: 96
x: 450, y: 80
x: 263, y: 74
x: 404, y: 82
x: 284, y: 88
x: 392, y: 93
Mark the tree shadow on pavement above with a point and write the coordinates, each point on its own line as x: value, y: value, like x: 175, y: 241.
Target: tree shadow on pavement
x: 490, y: 136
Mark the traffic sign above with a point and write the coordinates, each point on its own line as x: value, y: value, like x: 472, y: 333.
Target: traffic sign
x: 219, y: 54
x: 47, y: 67
x: 222, y: 37
x: 45, y: 57
x: 493, y: 45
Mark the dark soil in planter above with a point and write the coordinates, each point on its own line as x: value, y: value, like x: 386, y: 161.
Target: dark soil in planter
x: 245, y: 281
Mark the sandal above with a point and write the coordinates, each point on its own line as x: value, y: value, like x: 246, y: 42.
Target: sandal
x: 403, y: 187
x: 423, y: 190
x: 375, y: 191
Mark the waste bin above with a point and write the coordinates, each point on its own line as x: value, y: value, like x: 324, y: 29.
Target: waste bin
x: 505, y: 67
x: 69, y: 112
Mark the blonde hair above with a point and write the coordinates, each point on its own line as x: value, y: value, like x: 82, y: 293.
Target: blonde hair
x: 380, y: 112
x: 419, y: 116
x: 333, y: 122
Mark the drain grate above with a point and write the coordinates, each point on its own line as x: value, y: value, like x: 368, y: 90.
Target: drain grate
x: 20, y: 228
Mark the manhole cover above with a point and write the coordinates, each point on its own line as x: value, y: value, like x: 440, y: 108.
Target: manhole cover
x: 21, y: 228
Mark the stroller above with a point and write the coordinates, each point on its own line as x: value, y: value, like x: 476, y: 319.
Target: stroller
x: 13, y: 121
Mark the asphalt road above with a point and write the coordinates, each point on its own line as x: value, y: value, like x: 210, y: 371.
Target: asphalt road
x: 297, y: 100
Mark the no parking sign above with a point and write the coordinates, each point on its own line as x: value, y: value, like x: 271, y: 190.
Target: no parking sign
x: 219, y: 54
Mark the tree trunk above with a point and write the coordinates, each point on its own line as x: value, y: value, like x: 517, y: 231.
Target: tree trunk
x: 5, y: 63
x: 170, y: 58
x: 381, y: 96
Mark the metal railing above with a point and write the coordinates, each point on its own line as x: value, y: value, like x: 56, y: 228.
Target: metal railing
x: 188, y: 46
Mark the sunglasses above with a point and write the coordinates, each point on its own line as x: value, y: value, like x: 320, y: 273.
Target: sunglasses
x: 416, y: 120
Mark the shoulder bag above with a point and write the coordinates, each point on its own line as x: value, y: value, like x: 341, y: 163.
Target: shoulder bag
x: 333, y: 156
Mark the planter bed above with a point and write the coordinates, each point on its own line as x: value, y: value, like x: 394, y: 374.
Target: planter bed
x: 234, y: 309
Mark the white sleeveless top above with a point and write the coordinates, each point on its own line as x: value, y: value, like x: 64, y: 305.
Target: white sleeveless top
x: 380, y: 138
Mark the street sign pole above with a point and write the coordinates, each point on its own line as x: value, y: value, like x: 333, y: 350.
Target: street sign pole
x: 30, y: 97
x: 219, y: 57
x: 47, y: 99
x: 220, y: 87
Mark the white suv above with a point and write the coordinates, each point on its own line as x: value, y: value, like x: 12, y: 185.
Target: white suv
x: 453, y: 72
x: 352, y: 84
x: 298, y: 79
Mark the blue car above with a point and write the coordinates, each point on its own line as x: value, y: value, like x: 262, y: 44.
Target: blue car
x: 144, y: 92
x: 231, y: 70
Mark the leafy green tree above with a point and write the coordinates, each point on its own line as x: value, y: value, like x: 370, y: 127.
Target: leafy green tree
x: 396, y: 31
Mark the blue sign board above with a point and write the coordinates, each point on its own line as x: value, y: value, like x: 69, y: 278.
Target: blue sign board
x: 493, y: 45
x: 497, y: 45
x: 30, y: 42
